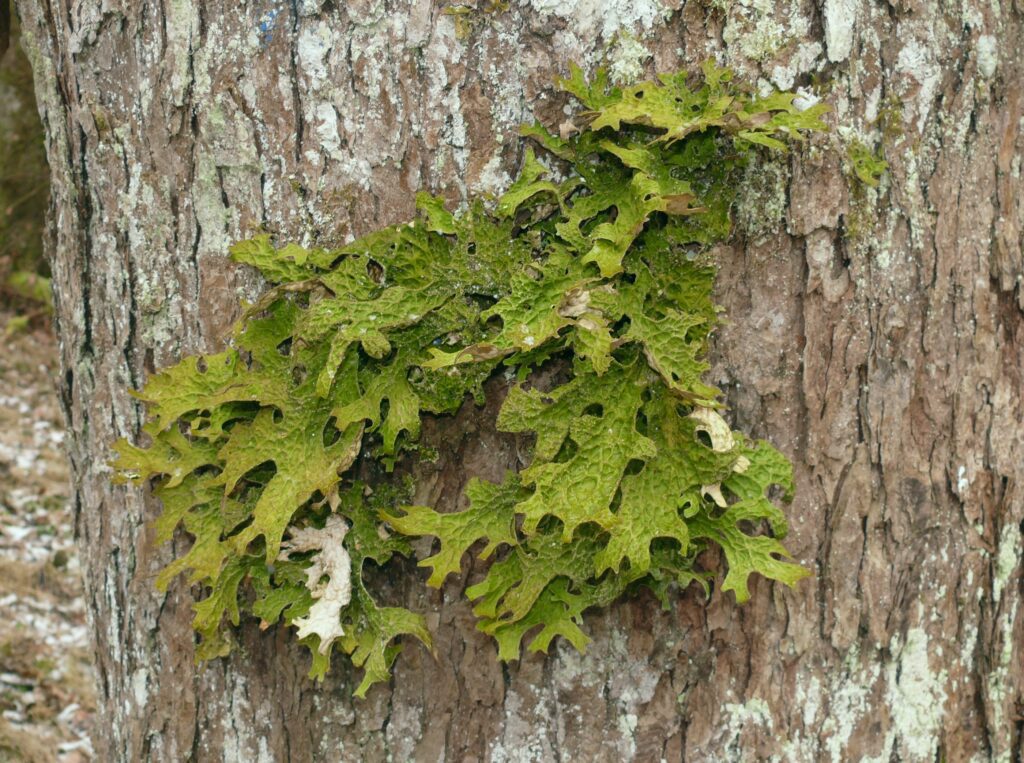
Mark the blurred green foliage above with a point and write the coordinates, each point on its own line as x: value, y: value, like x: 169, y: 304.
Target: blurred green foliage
x: 24, y: 185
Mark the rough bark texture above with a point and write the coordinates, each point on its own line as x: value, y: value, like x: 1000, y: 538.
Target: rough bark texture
x: 875, y: 336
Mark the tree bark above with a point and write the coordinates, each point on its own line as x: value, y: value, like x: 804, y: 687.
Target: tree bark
x: 876, y: 336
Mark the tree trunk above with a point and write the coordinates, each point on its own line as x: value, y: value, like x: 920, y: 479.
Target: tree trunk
x: 875, y: 336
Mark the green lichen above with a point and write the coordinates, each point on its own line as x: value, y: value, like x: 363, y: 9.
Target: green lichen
x: 865, y: 165
x: 467, y: 17
x: 864, y: 168
x: 590, y: 262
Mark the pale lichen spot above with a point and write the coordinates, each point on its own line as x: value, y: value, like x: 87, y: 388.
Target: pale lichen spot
x: 916, y: 696
x: 626, y: 60
x: 1007, y: 558
x: 988, y: 56
x: 603, y: 17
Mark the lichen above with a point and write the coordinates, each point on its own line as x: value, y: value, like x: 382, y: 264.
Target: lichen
x: 1007, y: 559
x: 1000, y: 683
x: 916, y: 63
x: 626, y: 59
x: 755, y: 711
x: 839, y: 17
x: 330, y: 560
x: 468, y: 18
x: 864, y: 168
x: 604, y: 18
x: 763, y: 197
x: 988, y: 56
x: 591, y: 267
x: 916, y: 696
x: 865, y: 165
x: 752, y: 29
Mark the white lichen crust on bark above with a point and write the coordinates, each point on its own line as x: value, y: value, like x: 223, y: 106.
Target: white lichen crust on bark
x: 876, y: 334
x: 330, y: 561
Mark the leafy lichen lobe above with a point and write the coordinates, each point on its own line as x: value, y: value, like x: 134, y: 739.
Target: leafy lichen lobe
x: 592, y: 259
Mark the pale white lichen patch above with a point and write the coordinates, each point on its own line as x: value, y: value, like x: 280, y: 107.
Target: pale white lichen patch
x: 809, y: 698
x: 454, y: 135
x: 798, y: 745
x: 493, y: 179
x: 629, y: 684
x: 182, y: 30
x: 962, y: 483
x: 840, y: 17
x: 761, y: 202
x: 988, y: 56
x: 1000, y: 686
x: 241, y: 740
x: 140, y: 686
x: 752, y: 29
x: 627, y: 724
x: 313, y: 46
x: 590, y: 18
x: 326, y: 128
x: 509, y: 107
x: 525, y: 738
x: 755, y: 711
x: 916, y: 696
x: 848, y: 702
x: 758, y: 30
x: 917, y: 61
x: 1007, y: 558
x: 331, y: 561
x: 573, y: 666
x: 804, y: 60
x: 369, y: 53
x: 970, y: 641
x: 626, y: 59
